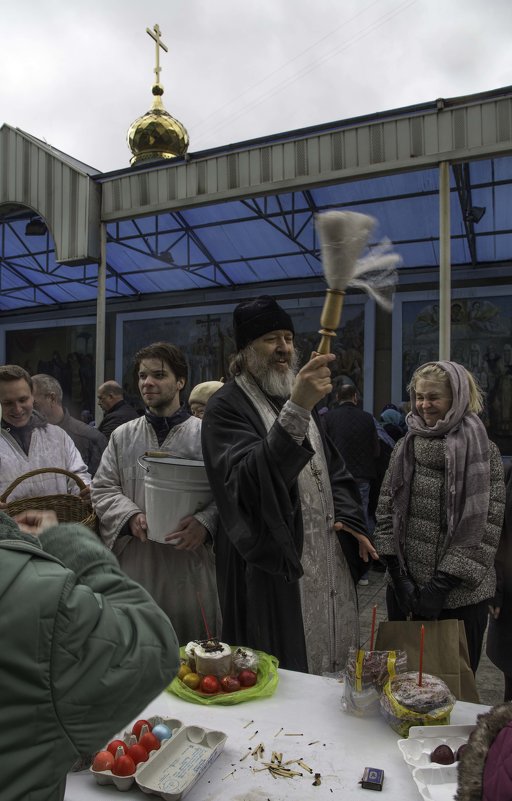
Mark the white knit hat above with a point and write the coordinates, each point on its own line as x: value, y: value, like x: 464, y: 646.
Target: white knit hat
x: 202, y: 392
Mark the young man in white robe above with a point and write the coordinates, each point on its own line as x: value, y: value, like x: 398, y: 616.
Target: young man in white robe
x: 180, y: 572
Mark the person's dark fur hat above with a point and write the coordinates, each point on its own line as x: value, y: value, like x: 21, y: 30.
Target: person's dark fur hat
x: 253, y: 318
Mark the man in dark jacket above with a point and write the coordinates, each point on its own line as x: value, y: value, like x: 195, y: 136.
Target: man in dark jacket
x: 84, y: 650
x: 289, y: 510
x: 353, y: 432
x: 116, y: 410
x: 48, y: 401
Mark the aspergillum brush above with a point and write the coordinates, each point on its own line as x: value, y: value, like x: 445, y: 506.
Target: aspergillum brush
x: 343, y: 237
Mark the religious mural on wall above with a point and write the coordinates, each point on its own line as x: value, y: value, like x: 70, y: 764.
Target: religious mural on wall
x: 208, y: 343
x: 65, y: 352
x: 481, y: 340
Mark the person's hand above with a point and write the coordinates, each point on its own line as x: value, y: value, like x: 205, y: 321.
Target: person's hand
x: 432, y: 595
x: 406, y: 591
x: 35, y: 521
x: 494, y: 611
x: 139, y: 526
x: 86, y: 493
x: 313, y: 381
x: 366, y: 549
x: 189, y: 535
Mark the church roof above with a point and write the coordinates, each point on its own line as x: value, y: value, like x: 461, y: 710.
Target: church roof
x: 243, y: 214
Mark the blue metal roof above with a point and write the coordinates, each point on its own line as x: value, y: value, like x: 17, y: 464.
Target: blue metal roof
x: 273, y: 238
x: 264, y: 239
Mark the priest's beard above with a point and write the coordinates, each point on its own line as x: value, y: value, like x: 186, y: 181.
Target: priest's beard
x: 273, y: 380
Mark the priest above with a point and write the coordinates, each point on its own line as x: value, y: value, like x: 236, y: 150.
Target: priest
x: 292, y: 540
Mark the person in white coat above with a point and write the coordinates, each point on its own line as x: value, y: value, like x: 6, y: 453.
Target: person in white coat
x: 28, y: 442
x: 179, y: 573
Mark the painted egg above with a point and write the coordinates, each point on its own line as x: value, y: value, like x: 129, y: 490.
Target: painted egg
x: 162, y: 731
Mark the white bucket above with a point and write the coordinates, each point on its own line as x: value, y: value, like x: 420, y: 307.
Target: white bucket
x: 173, y: 489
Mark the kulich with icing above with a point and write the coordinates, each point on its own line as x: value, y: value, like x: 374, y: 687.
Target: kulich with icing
x: 211, y: 657
x: 245, y: 659
x: 190, y: 650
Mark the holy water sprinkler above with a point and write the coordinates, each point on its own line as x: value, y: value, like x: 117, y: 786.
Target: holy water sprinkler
x: 343, y: 237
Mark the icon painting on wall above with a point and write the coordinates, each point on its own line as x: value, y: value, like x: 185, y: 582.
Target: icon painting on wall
x: 208, y: 343
x: 481, y: 340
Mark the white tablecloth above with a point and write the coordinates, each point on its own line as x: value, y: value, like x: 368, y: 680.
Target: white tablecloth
x: 303, y: 705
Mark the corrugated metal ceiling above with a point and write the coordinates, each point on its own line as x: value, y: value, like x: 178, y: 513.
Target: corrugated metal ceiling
x: 264, y: 239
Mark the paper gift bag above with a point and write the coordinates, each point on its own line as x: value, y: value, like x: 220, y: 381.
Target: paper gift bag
x: 445, y: 651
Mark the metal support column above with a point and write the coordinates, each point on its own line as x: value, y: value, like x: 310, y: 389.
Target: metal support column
x: 100, y: 317
x: 444, y: 262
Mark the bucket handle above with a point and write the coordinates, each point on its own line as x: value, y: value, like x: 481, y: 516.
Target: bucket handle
x: 157, y: 455
x: 146, y: 469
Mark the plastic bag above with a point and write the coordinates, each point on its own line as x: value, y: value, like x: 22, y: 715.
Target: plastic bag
x: 404, y: 703
x: 264, y: 687
x: 366, y: 673
x: 245, y: 659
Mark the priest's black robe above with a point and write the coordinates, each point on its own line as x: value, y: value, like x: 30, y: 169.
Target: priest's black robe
x: 253, y: 475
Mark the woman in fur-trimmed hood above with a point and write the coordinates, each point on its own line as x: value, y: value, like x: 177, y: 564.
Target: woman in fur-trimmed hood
x: 485, y: 767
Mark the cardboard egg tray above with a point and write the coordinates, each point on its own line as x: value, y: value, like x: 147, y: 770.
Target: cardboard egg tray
x: 171, y: 771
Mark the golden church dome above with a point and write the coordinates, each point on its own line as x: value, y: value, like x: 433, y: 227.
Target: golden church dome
x: 157, y: 135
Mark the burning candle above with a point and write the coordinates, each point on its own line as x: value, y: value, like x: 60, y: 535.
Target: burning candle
x: 422, y: 643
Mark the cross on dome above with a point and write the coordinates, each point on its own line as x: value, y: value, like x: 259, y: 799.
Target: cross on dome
x: 155, y: 34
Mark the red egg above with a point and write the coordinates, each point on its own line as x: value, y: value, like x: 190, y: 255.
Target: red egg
x: 247, y: 678
x: 123, y: 766
x: 115, y: 744
x: 230, y: 684
x: 443, y: 755
x: 210, y: 684
x: 149, y: 742
x: 137, y: 726
x: 138, y: 753
x: 103, y: 761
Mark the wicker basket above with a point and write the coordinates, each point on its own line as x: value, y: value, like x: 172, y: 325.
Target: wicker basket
x: 68, y: 508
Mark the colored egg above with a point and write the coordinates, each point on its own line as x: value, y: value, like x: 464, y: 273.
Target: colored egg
x: 162, y: 731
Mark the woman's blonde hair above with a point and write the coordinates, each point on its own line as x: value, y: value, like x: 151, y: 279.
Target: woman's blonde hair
x: 434, y: 372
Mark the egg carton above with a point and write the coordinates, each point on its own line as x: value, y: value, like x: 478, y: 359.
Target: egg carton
x: 422, y: 740
x: 436, y: 783
x: 175, y: 767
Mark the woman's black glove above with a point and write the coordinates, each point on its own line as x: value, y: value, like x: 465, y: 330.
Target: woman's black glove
x: 432, y: 596
x: 405, y: 589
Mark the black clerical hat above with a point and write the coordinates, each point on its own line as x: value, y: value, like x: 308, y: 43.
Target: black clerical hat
x: 253, y: 318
